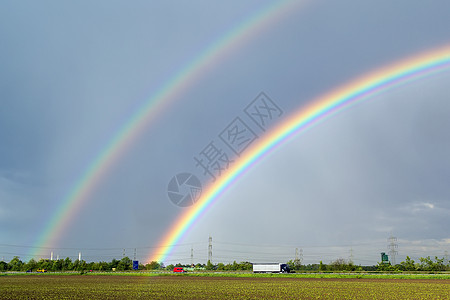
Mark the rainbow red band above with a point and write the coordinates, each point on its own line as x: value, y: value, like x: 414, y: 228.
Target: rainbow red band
x: 362, y: 88
x: 186, y: 77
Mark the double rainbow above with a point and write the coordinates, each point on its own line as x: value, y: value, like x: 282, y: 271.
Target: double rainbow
x: 215, y: 52
x: 362, y: 88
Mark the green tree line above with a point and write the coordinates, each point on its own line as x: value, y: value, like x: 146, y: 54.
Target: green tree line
x: 125, y: 264
x: 242, y: 266
x: 426, y: 264
x: 68, y: 265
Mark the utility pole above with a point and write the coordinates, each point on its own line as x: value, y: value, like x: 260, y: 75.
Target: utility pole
x: 123, y: 253
x: 392, y: 246
x: 301, y: 256
x: 192, y: 256
x: 210, y: 249
x: 446, y: 257
x: 350, y: 260
x: 297, y: 259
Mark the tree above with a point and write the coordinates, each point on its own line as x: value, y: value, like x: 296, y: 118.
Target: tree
x: 296, y: 265
x: 102, y: 266
x: 15, y: 264
x: 80, y: 265
x: 290, y: 263
x: 3, y: 266
x: 342, y: 265
x: 322, y: 267
x: 113, y: 264
x: 153, y: 265
x: 408, y: 265
x: 386, y: 267
x: 245, y: 266
x: 75, y: 265
x: 91, y: 266
x: 31, y: 265
x: 125, y: 264
x: 427, y: 264
x: 210, y: 266
x: 57, y: 265
x: 439, y: 265
x: 67, y: 264
x: 338, y: 265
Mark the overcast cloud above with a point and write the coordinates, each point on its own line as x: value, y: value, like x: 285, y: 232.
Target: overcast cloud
x: 72, y: 73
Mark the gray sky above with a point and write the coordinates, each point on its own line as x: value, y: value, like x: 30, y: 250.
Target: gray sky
x: 72, y: 73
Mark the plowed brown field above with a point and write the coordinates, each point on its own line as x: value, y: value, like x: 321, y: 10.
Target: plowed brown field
x: 190, y: 287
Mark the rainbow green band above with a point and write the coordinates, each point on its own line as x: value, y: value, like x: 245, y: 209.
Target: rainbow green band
x: 379, y: 81
x: 192, y: 72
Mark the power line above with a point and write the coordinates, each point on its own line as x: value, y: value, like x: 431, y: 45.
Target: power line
x: 246, y: 251
x: 99, y: 249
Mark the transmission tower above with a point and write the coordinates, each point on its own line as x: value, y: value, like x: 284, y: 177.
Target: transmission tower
x: 210, y: 249
x: 298, y: 257
x: 392, y: 246
x: 192, y: 256
x: 446, y: 257
x: 123, y: 253
x: 134, y: 253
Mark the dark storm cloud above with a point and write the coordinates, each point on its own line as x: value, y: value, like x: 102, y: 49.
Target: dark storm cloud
x: 72, y: 74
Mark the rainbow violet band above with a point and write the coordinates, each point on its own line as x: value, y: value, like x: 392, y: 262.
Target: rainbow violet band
x: 381, y: 80
x: 193, y: 71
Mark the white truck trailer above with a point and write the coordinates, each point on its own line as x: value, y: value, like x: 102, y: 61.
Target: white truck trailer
x: 270, y: 268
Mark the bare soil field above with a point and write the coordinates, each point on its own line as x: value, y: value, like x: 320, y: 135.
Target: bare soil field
x: 192, y: 287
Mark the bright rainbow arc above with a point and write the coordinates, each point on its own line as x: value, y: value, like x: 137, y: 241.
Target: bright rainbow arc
x: 151, y: 109
x: 319, y: 109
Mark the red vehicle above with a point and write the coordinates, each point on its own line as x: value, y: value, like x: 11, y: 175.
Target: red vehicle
x: 178, y: 270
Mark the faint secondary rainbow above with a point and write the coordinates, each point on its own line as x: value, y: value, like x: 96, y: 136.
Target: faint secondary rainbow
x: 214, y: 53
x: 363, y: 87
